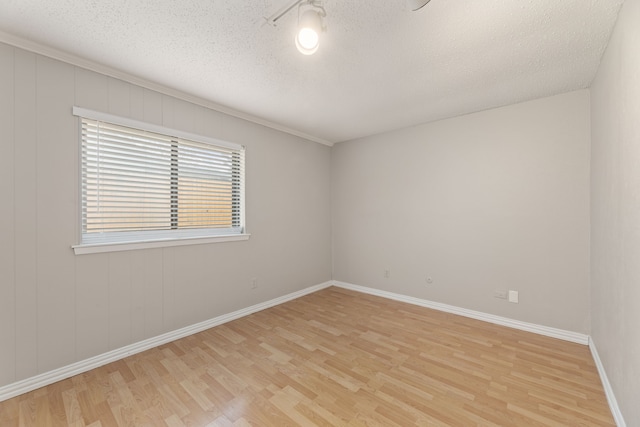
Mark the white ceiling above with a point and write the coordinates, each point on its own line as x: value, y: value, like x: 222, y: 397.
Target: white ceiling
x: 380, y: 66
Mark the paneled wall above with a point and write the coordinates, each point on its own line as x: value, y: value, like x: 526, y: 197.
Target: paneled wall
x: 494, y: 200
x: 57, y: 308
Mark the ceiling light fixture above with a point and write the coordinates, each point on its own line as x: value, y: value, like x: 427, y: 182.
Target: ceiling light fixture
x: 309, y: 28
x: 310, y: 25
x: 417, y: 4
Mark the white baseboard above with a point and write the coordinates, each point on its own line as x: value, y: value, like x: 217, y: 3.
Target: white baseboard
x: 608, y: 390
x: 46, y: 378
x: 498, y: 320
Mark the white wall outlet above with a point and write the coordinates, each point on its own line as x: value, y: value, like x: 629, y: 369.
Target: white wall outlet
x: 387, y: 273
x: 513, y: 296
x: 500, y: 293
x: 254, y: 283
x: 429, y: 280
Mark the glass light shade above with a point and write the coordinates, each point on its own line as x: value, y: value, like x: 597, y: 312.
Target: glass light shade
x: 308, y: 36
x: 417, y: 4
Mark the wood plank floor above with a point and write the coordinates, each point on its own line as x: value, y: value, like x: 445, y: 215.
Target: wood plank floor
x: 334, y: 358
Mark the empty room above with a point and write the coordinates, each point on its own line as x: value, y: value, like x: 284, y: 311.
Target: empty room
x: 319, y: 213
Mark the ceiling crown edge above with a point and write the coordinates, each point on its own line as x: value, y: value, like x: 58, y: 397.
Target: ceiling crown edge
x: 78, y: 61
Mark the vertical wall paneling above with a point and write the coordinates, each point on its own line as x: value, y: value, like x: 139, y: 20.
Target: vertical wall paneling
x: 92, y: 279
x: 168, y: 290
x: 120, y: 310
x: 119, y: 98
x: 136, y: 100
x: 183, y: 115
x: 7, y: 236
x: 26, y: 243
x: 207, y: 122
x: 57, y: 187
x: 186, y: 284
x: 211, y: 275
x: 68, y: 308
x: 166, y: 105
x: 91, y: 90
x: 92, y: 305
x: 146, y: 294
x: 152, y: 105
x: 139, y: 276
x: 153, y: 294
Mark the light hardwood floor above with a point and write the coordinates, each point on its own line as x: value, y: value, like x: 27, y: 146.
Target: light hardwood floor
x: 334, y: 358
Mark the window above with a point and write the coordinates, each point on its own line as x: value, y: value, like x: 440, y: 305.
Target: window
x: 142, y: 183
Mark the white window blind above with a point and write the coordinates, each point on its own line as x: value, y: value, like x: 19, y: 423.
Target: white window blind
x: 145, y: 185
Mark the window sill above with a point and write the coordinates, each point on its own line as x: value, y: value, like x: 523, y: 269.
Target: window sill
x: 150, y: 244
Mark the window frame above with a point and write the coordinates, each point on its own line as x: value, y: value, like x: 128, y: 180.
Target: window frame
x: 153, y: 239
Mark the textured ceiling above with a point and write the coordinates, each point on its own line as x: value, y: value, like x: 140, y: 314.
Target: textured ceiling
x: 379, y: 67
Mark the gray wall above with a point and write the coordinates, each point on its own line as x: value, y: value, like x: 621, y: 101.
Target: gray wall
x: 57, y: 308
x: 493, y: 200
x: 615, y: 211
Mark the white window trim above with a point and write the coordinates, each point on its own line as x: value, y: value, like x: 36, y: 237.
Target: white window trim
x: 158, y: 241
x: 132, y: 123
x: 151, y: 244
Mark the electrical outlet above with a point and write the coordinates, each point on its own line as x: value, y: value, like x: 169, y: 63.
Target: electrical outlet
x: 254, y: 283
x: 429, y: 280
x: 500, y: 293
x: 513, y: 296
x: 387, y: 273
